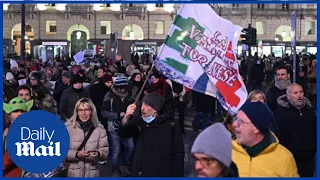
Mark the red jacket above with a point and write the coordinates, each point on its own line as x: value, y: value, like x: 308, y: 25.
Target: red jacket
x: 9, y: 168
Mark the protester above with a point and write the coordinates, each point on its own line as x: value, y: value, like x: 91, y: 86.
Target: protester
x: 14, y: 109
x: 159, y: 146
x: 258, y: 148
x: 212, y: 153
x: 84, y: 158
x: 297, y: 123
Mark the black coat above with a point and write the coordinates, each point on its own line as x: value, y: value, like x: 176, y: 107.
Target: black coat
x: 97, y: 92
x: 298, y: 128
x: 58, y: 90
x: 203, y: 103
x: 68, y: 101
x: 272, y: 96
x: 159, y: 149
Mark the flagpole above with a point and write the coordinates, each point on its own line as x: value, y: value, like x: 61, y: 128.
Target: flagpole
x: 144, y: 84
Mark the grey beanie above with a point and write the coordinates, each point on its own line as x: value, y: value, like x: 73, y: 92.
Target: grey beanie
x: 154, y: 100
x: 214, y: 141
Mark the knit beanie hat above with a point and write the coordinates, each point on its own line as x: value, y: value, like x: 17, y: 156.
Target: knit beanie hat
x: 214, y: 141
x: 9, y: 76
x: 259, y: 114
x: 36, y: 75
x: 121, y: 80
x: 154, y: 100
x: 66, y: 74
x: 107, y: 78
x: 77, y: 79
x: 17, y: 104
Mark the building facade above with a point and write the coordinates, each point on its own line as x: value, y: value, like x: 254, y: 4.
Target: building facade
x: 65, y: 29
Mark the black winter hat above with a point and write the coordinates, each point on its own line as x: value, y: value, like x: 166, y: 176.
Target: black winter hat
x: 154, y: 100
x: 36, y: 75
x: 77, y: 79
x: 259, y: 114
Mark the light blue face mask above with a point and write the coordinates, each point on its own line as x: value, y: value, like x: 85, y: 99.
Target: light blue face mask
x: 148, y: 119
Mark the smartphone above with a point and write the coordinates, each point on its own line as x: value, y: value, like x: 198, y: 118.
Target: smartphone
x: 92, y: 153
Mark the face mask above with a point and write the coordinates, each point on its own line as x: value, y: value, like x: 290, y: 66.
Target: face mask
x: 148, y: 119
x: 258, y: 62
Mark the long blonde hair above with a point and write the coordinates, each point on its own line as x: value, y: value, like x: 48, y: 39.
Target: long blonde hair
x: 94, y: 117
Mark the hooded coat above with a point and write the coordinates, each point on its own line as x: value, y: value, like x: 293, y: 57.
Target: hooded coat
x: 298, y: 128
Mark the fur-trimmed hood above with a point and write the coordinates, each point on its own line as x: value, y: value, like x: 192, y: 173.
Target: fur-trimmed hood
x: 283, y: 102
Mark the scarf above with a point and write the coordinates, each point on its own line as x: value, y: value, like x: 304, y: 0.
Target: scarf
x: 85, y: 126
x: 282, y: 84
x: 299, y: 106
x: 261, y: 146
x: 77, y: 90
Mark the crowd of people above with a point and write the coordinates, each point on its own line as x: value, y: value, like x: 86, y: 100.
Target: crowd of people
x: 111, y: 115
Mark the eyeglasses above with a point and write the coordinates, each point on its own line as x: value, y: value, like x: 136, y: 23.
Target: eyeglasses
x: 205, y: 161
x: 240, y: 121
x: 87, y: 110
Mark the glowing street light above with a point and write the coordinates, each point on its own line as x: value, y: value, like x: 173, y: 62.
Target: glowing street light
x: 283, y: 34
x: 78, y: 35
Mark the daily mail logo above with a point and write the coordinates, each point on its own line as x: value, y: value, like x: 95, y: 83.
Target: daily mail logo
x: 25, y: 148
x: 38, y: 142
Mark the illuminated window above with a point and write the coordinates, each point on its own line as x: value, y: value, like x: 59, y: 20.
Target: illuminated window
x: 310, y: 28
x: 260, y: 27
x: 51, y: 27
x: 159, y: 27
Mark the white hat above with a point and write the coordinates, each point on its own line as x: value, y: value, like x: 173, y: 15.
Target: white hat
x: 9, y: 76
x: 13, y: 64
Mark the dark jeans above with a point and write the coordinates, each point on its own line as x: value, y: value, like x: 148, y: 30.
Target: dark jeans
x: 257, y: 85
x: 115, y: 145
x: 181, y: 107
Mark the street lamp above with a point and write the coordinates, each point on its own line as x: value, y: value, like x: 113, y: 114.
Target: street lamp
x: 78, y: 35
x: 5, y: 7
x: 41, y: 7
x: 283, y: 34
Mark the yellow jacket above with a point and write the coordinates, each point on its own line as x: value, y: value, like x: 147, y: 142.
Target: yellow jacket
x: 274, y: 161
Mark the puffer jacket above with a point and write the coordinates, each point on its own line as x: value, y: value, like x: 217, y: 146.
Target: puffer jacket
x: 274, y: 161
x: 98, y: 141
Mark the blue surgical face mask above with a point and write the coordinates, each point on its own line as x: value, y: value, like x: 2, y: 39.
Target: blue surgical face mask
x: 148, y: 119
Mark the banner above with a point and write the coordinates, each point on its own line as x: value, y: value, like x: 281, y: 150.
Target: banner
x: 199, y: 53
x: 79, y: 57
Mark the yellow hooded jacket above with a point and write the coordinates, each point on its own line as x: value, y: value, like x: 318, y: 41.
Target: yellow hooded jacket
x: 274, y: 161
